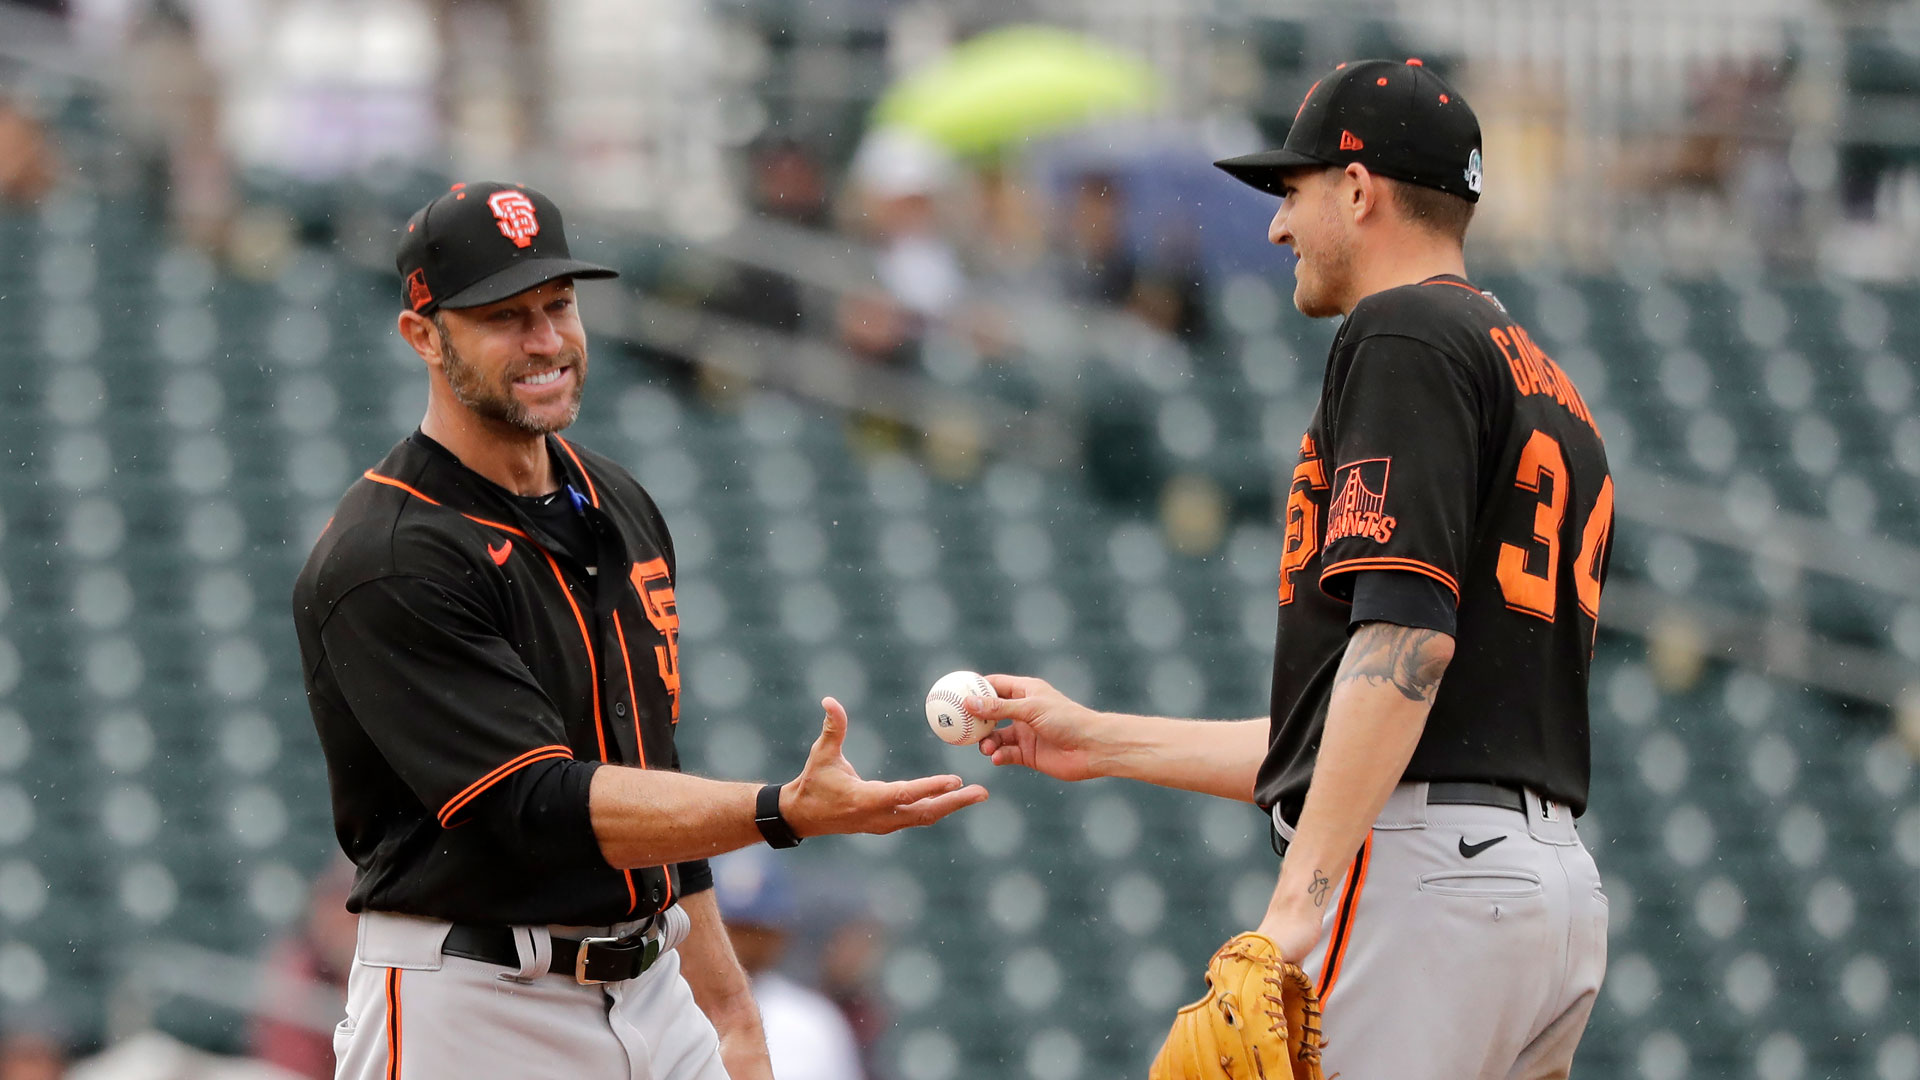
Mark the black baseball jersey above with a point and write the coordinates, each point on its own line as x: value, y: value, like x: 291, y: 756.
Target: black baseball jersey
x: 1447, y: 445
x: 467, y: 670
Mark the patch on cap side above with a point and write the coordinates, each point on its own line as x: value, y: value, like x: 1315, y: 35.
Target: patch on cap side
x: 418, y: 295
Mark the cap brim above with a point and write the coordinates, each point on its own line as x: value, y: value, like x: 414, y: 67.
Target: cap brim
x: 1268, y: 168
x: 520, y: 277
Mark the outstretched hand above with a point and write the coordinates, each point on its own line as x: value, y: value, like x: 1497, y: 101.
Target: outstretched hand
x: 829, y: 797
x: 1050, y: 732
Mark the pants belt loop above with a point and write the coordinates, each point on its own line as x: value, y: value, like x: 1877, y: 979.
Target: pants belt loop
x: 1406, y: 807
x: 534, y: 944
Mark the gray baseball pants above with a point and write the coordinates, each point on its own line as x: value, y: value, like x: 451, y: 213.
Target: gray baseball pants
x: 415, y: 1014
x: 1452, y: 955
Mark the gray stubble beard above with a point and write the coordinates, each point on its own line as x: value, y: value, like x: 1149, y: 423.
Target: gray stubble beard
x: 471, y: 390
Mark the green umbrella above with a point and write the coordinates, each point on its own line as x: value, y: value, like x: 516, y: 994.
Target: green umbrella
x: 1015, y: 83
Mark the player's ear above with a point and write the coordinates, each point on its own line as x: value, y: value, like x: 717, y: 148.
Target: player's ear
x: 420, y: 334
x: 1360, y: 192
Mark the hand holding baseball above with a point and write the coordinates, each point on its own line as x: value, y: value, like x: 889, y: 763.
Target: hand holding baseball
x: 830, y: 797
x: 1051, y: 733
x: 947, y: 712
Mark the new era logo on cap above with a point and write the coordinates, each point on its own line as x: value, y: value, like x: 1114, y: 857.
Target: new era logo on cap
x: 1350, y: 141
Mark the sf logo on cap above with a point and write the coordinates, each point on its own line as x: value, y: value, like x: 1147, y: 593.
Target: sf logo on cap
x: 514, y: 212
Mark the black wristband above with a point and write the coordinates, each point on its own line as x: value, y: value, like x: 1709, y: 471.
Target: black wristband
x: 766, y: 814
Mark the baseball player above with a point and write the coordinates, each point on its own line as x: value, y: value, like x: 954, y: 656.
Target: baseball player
x: 1447, y: 536
x: 492, y: 658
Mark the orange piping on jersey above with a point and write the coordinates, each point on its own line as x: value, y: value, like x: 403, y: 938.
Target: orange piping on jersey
x: 431, y: 501
x: 638, y: 743
x: 592, y: 495
x: 621, y: 633
x: 1343, y: 925
x: 393, y: 1024
x: 586, y: 638
x: 473, y: 790
x: 1457, y: 285
x: 408, y: 488
x: 593, y: 670
x: 1388, y: 562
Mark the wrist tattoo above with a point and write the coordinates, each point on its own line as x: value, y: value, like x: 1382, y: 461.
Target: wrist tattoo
x: 1409, y: 659
x: 1318, y: 888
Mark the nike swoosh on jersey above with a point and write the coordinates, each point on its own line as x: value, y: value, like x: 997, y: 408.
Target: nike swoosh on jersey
x: 1468, y: 851
x: 499, y: 554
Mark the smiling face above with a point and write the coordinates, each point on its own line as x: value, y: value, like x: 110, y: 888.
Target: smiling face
x: 1311, y: 223
x: 520, y: 363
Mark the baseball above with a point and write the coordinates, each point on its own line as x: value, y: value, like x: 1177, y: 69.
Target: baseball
x: 948, y: 718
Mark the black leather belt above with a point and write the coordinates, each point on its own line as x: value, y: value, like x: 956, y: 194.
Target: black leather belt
x: 589, y: 960
x: 1445, y: 793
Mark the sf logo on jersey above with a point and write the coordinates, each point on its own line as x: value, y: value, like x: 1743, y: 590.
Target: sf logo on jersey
x: 1359, y: 506
x: 1302, y: 541
x: 514, y: 213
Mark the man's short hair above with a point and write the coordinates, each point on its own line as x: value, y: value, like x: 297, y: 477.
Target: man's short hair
x: 1434, y: 210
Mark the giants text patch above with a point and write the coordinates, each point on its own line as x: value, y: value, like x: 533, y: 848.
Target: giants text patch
x: 1359, y: 506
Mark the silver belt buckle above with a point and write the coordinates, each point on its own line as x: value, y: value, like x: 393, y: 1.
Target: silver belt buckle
x: 580, y: 959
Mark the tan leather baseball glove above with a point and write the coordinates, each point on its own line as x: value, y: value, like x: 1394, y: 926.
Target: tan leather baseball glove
x: 1259, y: 1020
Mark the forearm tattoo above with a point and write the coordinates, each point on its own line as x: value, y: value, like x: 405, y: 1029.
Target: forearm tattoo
x: 1409, y: 659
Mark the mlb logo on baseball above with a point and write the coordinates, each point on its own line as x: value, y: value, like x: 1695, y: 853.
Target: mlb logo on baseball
x: 514, y: 213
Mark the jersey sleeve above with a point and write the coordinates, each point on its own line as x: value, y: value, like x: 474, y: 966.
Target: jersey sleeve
x: 1404, y: 442
x: 1403, y: 599
x: 446, y: 700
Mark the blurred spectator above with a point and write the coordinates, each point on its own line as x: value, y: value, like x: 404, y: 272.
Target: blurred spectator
x: 898, y: 179
x: 494, y: 89
x: 168, y: 105
x: 787, y: 185
x: 319, y: 954
x: 32, y: 1053
x: 1170, y: 292
x: 1096, y: 265
x: 807, y: 1037
x: 873, y: 327
x: 1735, y: 111
x: 28, y: 163
x: 848, y: 962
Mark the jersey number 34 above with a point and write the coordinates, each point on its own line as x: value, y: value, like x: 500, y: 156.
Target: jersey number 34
x: 1543, y: 467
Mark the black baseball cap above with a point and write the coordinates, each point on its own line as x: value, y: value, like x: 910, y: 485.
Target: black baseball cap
x: 483, y: 242
x: 1399, y: 120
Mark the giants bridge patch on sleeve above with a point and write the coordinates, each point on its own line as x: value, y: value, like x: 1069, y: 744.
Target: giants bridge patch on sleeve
x: 1359, y: 506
